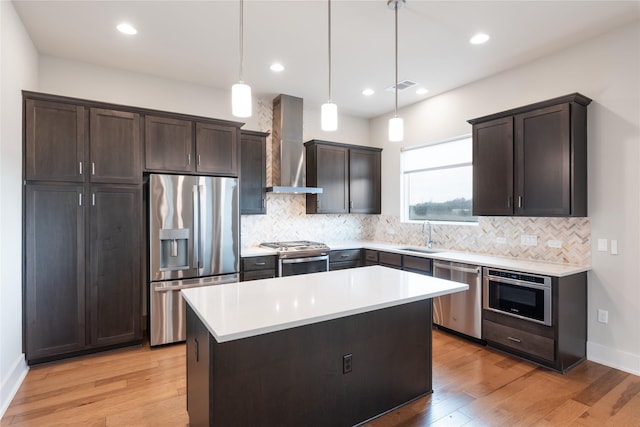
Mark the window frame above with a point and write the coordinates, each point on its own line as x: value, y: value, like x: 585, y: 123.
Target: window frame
x: 404, y: 177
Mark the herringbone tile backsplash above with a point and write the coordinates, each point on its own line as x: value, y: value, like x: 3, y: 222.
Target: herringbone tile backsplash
x: 286, y: 220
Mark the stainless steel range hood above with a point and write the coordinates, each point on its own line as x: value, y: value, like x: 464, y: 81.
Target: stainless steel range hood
x: 287, y: 150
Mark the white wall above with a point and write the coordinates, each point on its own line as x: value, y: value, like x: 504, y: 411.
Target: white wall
x: 606, y: 69
x: 19, y: 68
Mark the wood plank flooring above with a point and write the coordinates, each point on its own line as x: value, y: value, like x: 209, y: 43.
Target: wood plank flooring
x: 473, y: 386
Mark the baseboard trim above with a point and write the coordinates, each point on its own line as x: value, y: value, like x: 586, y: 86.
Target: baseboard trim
x: 12, y: 383
x: 613, y: 358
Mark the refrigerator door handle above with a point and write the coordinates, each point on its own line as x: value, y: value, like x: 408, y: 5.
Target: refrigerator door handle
x: 195, y: 246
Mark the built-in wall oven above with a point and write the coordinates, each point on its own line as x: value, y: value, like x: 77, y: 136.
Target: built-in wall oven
x: 522, y: 295
x: 300, y: 257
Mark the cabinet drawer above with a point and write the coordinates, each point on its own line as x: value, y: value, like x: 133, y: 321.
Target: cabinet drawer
x: 344, y: 255
x: 257, y: 274
x: 341, y: 265
x: 525, y: 342
x: 417, y: 264
x: 370, y: 257
x: 390, y: 259
x: 258, y: 263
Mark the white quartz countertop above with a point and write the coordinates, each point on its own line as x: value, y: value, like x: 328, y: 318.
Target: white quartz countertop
x: 525, y: 266
x: 245, y: 309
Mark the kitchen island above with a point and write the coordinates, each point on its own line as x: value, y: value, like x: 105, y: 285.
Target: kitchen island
x: 335, y: 348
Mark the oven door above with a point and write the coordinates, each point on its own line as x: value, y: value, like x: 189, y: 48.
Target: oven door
x: 304, y: 265
x: 514, y: 298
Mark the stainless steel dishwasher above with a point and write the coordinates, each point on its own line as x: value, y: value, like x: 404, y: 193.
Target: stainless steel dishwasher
x: 462, y: 311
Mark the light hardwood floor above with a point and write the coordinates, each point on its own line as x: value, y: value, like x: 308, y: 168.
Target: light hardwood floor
x: 473, y: 386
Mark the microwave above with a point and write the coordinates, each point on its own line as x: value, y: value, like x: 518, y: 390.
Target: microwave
x: 521, y: 295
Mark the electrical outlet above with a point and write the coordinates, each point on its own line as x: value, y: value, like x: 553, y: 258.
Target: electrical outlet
x: 529, y: 240
x: 554, y: 243
x: 603, y: 316
x: 501, y: 240
x: 347, y: 363
x: 602, y: 245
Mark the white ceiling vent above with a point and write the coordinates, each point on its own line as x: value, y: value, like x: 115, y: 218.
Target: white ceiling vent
x: 403, y: 85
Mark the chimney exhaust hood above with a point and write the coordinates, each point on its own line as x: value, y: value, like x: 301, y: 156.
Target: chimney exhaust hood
x: 287, y: 150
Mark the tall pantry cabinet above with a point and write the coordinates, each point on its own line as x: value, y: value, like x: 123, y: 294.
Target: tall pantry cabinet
x: 83, y: 227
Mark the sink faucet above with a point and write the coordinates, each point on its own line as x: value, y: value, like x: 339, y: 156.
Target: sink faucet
x: 429, y: 241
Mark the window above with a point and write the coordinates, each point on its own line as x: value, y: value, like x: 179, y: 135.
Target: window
x: 437, y: 181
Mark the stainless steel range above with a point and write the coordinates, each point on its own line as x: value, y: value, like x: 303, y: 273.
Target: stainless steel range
x: 300, y: 257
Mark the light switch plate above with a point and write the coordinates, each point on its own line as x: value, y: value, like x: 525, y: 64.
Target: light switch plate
x: 602, y: 245
x: 603, y: 316
x: 614, y: 247
x: 529, y: 240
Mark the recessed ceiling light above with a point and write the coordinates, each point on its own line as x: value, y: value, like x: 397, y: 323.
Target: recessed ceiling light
x: 368, y: 92
x: 277, y: 67
x: 422, y: 91
x: 479, y: 38
x: 126, y: 28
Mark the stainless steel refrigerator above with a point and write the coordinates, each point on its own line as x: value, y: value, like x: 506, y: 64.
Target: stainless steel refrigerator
x: 194, y: 241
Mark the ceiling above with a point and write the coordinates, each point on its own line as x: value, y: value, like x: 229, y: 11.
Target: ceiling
x: 198, y: 41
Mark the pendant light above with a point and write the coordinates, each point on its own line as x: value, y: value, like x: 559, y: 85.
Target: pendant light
x: 329, y: 110
x: 396, y: 125
x: 241, y: 92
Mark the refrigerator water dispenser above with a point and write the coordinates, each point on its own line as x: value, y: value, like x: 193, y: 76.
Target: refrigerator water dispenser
x: 174, y: 249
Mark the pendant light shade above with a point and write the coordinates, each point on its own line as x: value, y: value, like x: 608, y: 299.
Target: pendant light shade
x: 329, y: 110
x: 396, y: 129
x: 241, y: 92
x: 241, y: 100
x: 329, y: 116
x: 396, y: 125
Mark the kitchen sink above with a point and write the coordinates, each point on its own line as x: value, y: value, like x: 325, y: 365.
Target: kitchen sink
x: 422, y: 251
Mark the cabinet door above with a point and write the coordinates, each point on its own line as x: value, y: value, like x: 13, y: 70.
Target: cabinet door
x: 168, y: 144
x: 333, y: 177
x: 115, y: 146
x: 216, y: 149
x: 55, y: 138
x: 493, y: 167
x: 115, y: 264
x: 542, y: 152
x: 54, y: 270
x: 253, y: 174
x: 364, y: 181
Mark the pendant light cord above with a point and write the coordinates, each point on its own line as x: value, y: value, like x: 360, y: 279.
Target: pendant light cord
x: 241, y: 41
x: 329, y: 15
x: 396, y: 13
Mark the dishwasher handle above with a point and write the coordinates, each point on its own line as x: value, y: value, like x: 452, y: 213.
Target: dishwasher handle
x: 472, y: 270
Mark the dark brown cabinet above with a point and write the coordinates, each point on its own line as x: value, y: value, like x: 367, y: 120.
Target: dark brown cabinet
x: 532, y: 161
x: 114, y: 146
x: 168, y: 144
x: 115, y: 224
x: 350, y: 177
x: 253, y: 172
x: 54, y: 141
x: 258, y: 267
x: 54, y: 274
x: 344, y: 258
x: 175, y: 144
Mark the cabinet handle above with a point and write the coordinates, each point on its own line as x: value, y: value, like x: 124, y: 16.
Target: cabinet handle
x: 344, y: 256
x: 197, y: 348
x: 93, y: 168
x: 260, y: 263
x: 79, y: 199
x: 514, y: 339
x: 350, y: 204
x: 93, y: 199
x: 263, y: 203
x: 318, y: 204
x: 519, y: 201
x: 509, y: 202
x: 189, y: 159
x: 80, y: 167
x: 198, y: 159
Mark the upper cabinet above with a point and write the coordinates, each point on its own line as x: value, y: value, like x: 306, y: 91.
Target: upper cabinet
x: 180, y: 145
x: 349, y: 175
x: 253, y: 172
x: 532, y: 161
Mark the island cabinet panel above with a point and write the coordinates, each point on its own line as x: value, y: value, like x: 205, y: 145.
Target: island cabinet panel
x: 198, y: 370
x: 296, y: 377
x: 114, y: 146
x: 253, y: 173
x: 532, y: 160
x: 54, y: 276
x: 168, y: 144
x: 115, y: 264
x: 217, y: 149
x: 54, y: 141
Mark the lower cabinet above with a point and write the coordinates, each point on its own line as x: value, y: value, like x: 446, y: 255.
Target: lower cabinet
x: 346, y: 258
x: 258, y: 267
x: 74, y: 304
